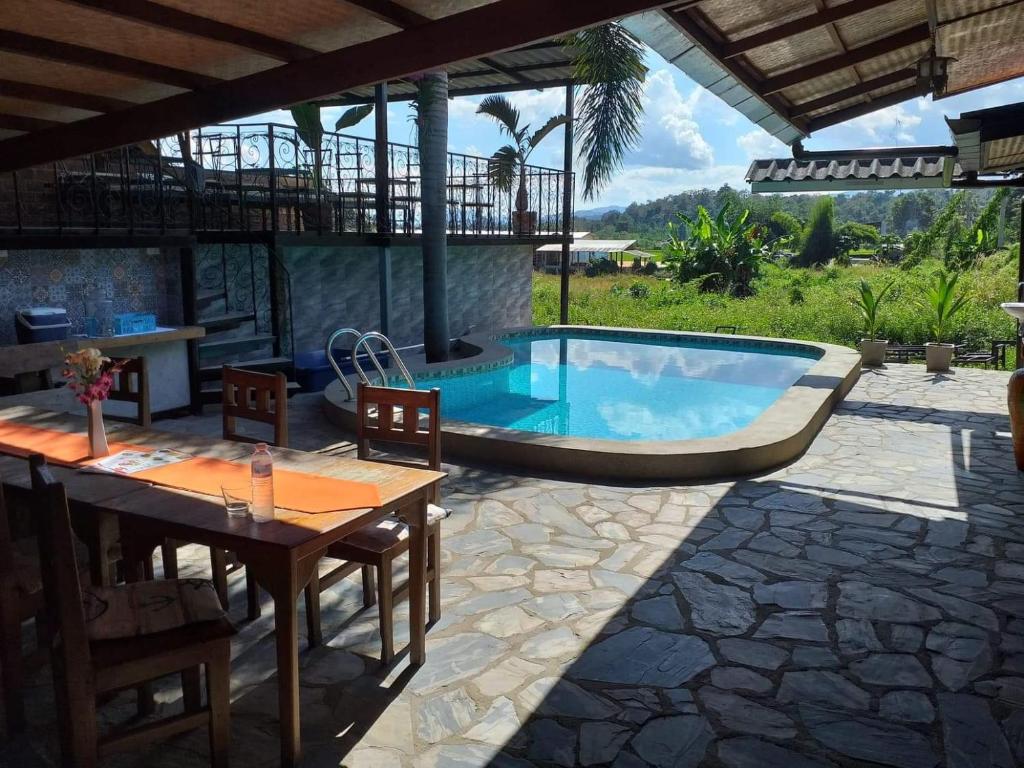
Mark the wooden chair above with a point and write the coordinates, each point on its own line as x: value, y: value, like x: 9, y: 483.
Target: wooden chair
x: 249, y: 396
x: 89, y: 663
x: 377, y: 546
x: 21, y: 598
x: 131, y: 385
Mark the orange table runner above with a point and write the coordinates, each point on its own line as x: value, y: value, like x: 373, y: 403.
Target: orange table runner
x: 292, y: 490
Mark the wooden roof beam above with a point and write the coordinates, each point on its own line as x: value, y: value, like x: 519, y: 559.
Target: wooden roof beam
x: 842, y: 115
x: 479, y: 31
x: 501, y: 69
x: 697, y: 33
x: 853, y: 91
x: 165, y: 17
x: 916, y: 34
x: 22, y: 123
x: 393, y: 13
x: 61, y: 98
x: 822, y: 18
x: 67, y: 53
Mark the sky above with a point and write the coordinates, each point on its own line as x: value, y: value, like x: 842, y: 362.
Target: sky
x: 690, y: 139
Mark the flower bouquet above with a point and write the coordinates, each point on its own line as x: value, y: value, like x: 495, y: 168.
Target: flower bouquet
x: 90, y: 376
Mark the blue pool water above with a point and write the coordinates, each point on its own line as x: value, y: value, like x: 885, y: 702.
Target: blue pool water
x: 624, y: 388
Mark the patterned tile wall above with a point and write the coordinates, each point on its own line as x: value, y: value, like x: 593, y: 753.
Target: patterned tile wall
x: 136, y: 279
x: 488, y: 289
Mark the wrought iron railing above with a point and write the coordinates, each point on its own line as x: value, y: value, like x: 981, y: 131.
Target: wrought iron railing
x: 263, y: 177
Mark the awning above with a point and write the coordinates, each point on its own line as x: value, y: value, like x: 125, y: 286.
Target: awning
x: 796, y: 66
x: 590, y: 246
x: 77, y: 76
x: 788, y: 175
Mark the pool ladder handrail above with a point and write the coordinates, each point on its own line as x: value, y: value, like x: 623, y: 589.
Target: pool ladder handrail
x: 363, y: 339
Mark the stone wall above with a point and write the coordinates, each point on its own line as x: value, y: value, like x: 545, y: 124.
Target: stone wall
x: 489, y: 287
x: 136, y: 279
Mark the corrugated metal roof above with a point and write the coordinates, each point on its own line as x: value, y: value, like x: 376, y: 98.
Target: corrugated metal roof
x: 591, y: 246
x: 788, y: 175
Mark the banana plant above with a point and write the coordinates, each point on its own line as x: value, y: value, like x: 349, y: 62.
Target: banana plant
x: 310, y: 127
x: 941, y: 298
x: 726, y: 252
x: 867, y: 303
x: 509, y: 162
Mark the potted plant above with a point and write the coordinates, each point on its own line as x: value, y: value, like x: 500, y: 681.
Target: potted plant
x: 509, y: 163
x: 943, y: 303
x: 867, y: 302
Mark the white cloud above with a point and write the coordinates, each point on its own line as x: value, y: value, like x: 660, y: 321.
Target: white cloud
x: 758, y: 144
x: 892, y: 125
x: 641, y: 183
x: 670, y: 135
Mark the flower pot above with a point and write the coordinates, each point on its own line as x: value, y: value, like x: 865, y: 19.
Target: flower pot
x: 524, y: 222
x: 937, y: 356
x: 872, y: 351
x: 97, y: 431
x: 1015, y: 401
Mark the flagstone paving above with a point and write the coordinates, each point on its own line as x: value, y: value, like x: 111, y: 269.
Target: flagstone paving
x: 863, y: 606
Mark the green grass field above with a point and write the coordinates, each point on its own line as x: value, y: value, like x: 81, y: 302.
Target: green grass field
x: 812, y: 304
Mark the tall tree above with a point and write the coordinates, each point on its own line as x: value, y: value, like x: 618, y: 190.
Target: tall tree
x: 432, y: 130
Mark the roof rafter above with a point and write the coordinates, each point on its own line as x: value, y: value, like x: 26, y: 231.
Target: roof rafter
x: 165, y: 17
x: 842, y: 115
x: 696, y: 32
x: 916, y: 34
x: 822, y: 18
x: 68, y: 53
x: 393, y: 13
x: 860, y: 89
x: 58, y: 96
x: 22, y: 123
x: 467, y: 35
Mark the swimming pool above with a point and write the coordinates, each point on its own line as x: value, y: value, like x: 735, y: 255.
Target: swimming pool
x: 625, y: 404
x: 624, y: 388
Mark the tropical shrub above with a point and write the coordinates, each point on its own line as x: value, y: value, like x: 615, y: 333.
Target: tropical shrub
x: 819, y: 245
x: 726, y: 254
x: 942, y: 300
x: 853, y: 234
x: 867, y: 303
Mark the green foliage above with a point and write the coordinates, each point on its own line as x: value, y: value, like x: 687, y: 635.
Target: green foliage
x: 610, y: 61
x: 819, y: 244
x: 509, y: 162
x: 601, y: 267
x: 307, y: 124
x: 867, y: 303
x: 826, y: 313
x: 782, y: 224
x: 726, y: 254
x: 353, y: 116
x: 639, y: 290
x: 852, y: 234
x: 942, y: 299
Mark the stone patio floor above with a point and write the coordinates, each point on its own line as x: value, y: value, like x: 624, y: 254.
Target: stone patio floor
x: 862, y: 606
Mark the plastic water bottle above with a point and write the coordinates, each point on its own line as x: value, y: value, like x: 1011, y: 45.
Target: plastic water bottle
x: 262, y: 484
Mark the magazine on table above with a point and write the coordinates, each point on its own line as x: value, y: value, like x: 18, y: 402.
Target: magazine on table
x: 130, y: 462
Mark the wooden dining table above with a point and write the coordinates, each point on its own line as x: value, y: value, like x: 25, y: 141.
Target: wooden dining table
x: 282, y: 554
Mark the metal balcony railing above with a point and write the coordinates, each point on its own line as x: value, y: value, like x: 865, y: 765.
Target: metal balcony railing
x: 264, y: 178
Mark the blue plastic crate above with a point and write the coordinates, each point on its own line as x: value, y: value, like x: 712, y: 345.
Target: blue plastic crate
x: 134, y: 322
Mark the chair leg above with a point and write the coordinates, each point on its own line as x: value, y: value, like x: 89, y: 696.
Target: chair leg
x: 386, y: 609
x: 77, y: 717
x: 219, y: 567
x: 434, y: 565
x: 314, y: 632
x: 11, y: 664
x: 191, y: 689
x: 218, y: 690
x: 252, y: 596
x: 169, y: 554
x: 369, y: 587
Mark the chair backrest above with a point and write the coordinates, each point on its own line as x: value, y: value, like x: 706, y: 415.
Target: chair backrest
x: 253, y: 396
x: 131, y: 385
x: 376, y: 409
x: 59, y: 570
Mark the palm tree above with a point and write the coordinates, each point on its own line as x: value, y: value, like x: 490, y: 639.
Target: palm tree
x: 509, y: 162
x: 432, y: 129
x: 610, y: 62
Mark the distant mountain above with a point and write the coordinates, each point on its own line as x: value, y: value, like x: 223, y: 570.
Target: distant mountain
x: 597, y: 213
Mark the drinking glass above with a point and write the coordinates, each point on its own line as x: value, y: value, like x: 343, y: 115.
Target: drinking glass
x: 237, y: 500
